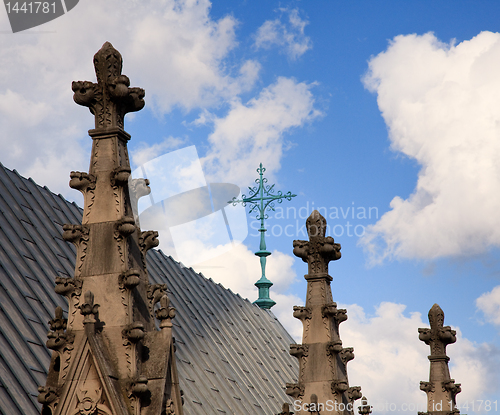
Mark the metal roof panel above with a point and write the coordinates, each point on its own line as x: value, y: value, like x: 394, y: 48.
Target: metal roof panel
x: 232, y: 357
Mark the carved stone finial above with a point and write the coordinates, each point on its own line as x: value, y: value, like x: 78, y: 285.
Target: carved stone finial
x: 302, y: 313
x: 88, y: 308
x: 438, y: 336
x: 440, y: 388
x: 120, y: 176
x: 56, y: 338
x: 58, y: 323
x: 346, y: 354
x: 319, y: 250
x: 322, y: 359
x: 111, y: 98
x: 285, y: 409
x: 137, y: 188
x: 299, y: 350
x: 156, y: 292
x: 165, y: 313
x: 364, y: 408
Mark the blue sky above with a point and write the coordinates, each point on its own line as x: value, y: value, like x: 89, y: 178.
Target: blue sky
x: 391, y: 108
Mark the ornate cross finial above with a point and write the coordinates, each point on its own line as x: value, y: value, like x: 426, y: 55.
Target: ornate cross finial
x: 135, y: 361
x: 262, y: 199
x: 319, y: 250
x: 440, y: 389
x: 322, y: 358
x: 111, y: 98
x: 437, y: 337
x: 165, y: 313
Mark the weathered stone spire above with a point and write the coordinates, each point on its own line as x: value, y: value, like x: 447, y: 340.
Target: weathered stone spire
x: 108, y: 356
x: 441, y: 389
x: 322, y: 359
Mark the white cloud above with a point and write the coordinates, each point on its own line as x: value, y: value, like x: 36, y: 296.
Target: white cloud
x: 252, y: 133
x: 238, y: 269
x: 183, y: 50
x: 391, y: 361
x: 489, y: 304
x: 145, y: 152
x: 440, y: 103
x: 172, y: 49
x: 289, y: 35
x: 283, y: 310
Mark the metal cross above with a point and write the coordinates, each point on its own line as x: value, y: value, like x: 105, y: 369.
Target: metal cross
x: 262, y: 199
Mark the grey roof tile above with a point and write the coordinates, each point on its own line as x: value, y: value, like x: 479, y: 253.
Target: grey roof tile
x: 232, y: 357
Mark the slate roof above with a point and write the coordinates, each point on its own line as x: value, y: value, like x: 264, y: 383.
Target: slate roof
x: 232, y: 357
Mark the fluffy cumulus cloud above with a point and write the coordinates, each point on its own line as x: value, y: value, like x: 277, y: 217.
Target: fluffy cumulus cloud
x: 391, y: 361
x: 440, y: 103
x: 489, y: 304
x: 238, y: 269
x: 144, y: 152
x: 173, y: 49
x: 286, y: 32
x: 253, y: 132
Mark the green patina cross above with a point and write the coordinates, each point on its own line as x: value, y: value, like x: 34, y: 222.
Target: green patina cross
x: 262, y: 199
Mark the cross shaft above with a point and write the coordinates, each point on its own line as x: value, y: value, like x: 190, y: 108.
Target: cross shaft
x: 261, y: 197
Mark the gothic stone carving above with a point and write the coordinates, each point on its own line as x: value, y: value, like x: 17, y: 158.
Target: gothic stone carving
x: 319, y: 250
x: 88, y: 309
x: 111, y: 97
x: 295, y: 390
x: 440, y: 387
x: 165, y: 313
x: 56, y: 338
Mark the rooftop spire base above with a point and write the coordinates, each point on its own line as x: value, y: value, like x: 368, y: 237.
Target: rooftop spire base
x: 322, y: 359
x: 441, y: 390
x: 110, y: 358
